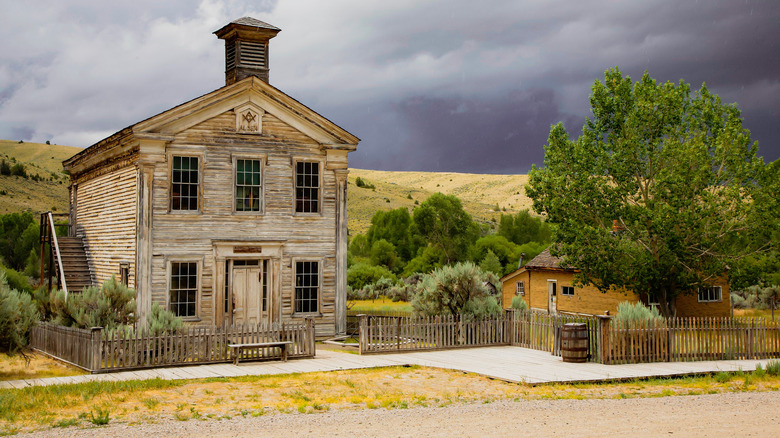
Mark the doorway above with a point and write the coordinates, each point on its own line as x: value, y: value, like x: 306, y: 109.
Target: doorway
x: 552, y: 292
x: 248, y: 292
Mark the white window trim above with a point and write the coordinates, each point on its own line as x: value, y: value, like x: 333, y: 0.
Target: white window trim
x: 185, y: 153
x: 517, y: 288
x: 321, y: 166
x: 718, y: 300
x: 564, y: 294
x: 168, y: 271
x: 320, y: 263
x: 263, y: 162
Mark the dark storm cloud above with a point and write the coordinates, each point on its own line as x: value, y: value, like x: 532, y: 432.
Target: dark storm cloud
x: 450, y: 85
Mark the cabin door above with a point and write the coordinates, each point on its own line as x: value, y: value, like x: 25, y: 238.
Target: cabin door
x: 248, y: 290
x: 553, y: 296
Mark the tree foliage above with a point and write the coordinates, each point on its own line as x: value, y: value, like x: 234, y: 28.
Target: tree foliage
x: 678, y: 173
x: 443, y: 223
x: 523, y: 228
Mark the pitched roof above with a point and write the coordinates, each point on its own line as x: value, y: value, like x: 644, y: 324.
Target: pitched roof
x: 249, y: 21
x: 544, y: 260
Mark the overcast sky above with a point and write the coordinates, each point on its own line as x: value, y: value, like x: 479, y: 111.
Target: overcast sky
x: 456, y: 85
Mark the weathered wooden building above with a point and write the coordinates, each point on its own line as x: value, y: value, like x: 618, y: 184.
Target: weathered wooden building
x: 229, y: 208
x: 546, y: 286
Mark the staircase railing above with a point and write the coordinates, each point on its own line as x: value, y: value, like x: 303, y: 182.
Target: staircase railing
x: 49, y: 234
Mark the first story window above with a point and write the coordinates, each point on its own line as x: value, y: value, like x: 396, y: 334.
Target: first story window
x: 307, y: 287
x: 184, y: 288
x: 710, y: 294
x: 567, y: 290
x: 124, y: 273
x: 307, y: 187
x: 248, y: 185
x: 184, y: 183
x: 520, y: 288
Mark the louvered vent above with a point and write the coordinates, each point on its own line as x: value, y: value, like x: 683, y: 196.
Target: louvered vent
x: 252, y: 54
x: 230, y: 56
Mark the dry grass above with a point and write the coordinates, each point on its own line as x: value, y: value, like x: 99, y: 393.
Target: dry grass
x: 34, y: 366
x: 755, y: 313
x: 386, y: 388
x: 382, y: 304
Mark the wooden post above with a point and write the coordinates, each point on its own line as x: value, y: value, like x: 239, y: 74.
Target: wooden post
x: 509, y: 319
x: 362, y: 333
x: 604, y: 339
x: 96, y: 349
x: 310, y: 334
x: 397, y: 333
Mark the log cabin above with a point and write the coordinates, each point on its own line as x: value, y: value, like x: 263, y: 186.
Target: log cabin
x: 227, y: 209
x: 546, y: 286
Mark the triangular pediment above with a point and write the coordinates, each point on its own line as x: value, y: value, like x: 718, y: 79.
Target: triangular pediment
x: 261, y: 99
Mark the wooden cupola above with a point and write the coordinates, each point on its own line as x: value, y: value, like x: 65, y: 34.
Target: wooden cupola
x: 246, y: 48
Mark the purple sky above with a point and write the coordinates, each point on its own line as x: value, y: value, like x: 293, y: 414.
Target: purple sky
x: 437, y: 85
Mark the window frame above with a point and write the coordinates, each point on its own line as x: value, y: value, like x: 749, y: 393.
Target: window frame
x: 124, y: 273
x: 565, y: 288
x: 519, y: 288
x: 719, y: 298
x: 198, y: 289
x: 262, y: 159
x: 320, y: 170
x: 320, y: 262
x: 188, y: 154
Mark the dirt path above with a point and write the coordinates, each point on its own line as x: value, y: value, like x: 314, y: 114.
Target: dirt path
x: 731, y: 414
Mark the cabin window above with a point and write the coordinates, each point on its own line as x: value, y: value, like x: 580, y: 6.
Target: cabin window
x: 710, y: 294
x: 567, y: 291
x: 307, y: 287
x: 248, y: 185
x: 184, y: 288
x: 307, y: 187
x: 184, y: 184
x: 520, y: 288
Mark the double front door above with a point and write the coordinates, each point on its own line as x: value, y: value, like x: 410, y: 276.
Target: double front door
x: 250, y: 292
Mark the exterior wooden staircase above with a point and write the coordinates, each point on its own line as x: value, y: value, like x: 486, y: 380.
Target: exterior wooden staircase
x: 74, y: 263
x: 68, y: 260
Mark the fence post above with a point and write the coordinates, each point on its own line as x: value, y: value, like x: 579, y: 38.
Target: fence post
x: 310, y: 334
x: 96, y: 349
x: 362, y: 333
x: 509, y: 332
x: 605, y: 344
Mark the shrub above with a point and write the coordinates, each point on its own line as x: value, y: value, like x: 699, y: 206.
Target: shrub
x: 360, y: 182
x: 519, y: 303
x: 628, y: 313
x: 16, y: 280
x: 161, y: 320
x: 17, y: 316
x: 111, y: 306
x: 19, y: 170
x: 460, y: 289
x: 380, y: 288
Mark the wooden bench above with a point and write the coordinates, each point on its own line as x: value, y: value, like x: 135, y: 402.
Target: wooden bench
x: 236, y: 348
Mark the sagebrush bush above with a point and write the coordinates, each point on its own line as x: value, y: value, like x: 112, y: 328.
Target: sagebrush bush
x: 161, y: 320
x: 462, y: 289
x: 110, y: 306
x: 773, y: 367
x: 519, y: 303
x: 628, y: 313
x: 17, y: 316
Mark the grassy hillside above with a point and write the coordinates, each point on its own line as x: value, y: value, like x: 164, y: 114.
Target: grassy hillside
x: 481, y: 194
x: 25, y: 194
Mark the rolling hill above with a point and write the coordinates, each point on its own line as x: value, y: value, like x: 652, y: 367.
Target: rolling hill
x: 483, y: 196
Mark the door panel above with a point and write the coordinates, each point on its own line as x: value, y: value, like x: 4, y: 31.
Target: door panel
x: 552, y: 292
x: 247, y: 294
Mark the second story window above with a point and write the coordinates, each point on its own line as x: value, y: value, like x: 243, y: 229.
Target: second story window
x: 248, y: 177
x: 307, y: 187
x: 184, y: 183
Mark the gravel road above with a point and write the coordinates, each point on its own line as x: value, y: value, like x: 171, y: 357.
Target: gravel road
x: 730, y: 414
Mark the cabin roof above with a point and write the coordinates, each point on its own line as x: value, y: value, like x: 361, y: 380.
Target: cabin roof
x: 544, y: 260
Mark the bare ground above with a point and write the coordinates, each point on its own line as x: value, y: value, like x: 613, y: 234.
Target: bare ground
x: 727, y: 414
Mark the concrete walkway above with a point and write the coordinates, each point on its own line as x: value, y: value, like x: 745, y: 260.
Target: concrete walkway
x: 512, y: 364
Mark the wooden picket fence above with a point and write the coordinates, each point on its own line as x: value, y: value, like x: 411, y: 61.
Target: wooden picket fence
x: 542, y: 331
x: 691, y: 339
x: 98, y: 351
x: 416, y: 333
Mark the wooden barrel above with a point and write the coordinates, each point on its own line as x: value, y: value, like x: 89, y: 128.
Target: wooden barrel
x: 574, y: 342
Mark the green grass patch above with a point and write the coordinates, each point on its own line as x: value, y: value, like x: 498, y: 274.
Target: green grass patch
x: 380, y: 305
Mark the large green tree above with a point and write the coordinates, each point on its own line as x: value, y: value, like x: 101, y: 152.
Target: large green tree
x: 443, y: 223
x: 677, y: 173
